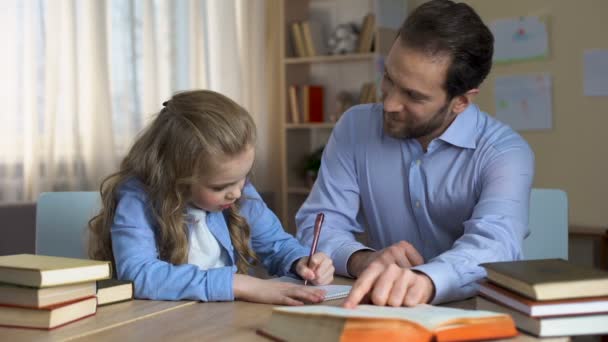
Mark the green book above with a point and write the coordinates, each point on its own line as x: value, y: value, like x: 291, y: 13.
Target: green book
x: 546, y: 279
x: 111, y: 291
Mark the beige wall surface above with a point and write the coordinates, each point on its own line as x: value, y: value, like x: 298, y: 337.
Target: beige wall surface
x: 572, y: 156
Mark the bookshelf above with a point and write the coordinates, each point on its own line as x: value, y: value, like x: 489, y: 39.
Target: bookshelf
x: 302, y: 67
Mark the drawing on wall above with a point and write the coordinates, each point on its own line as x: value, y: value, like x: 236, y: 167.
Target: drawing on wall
x: 524, y: 101
x: 596, y: 72
x: 519, y: 39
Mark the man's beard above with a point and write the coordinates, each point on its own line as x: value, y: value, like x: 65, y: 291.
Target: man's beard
x: 408, y: 129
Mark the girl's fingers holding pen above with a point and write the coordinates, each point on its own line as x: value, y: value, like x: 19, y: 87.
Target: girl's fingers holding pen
x: 318, y: 259
x: 303, y: 270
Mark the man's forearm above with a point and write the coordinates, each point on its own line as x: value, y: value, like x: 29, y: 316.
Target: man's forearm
x: 358, y: 261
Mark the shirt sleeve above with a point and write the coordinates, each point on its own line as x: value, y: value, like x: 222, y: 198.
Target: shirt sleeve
x: 136, y: 257
x: 496, y: 229
x: 336, y: 194
x: 276, y: 249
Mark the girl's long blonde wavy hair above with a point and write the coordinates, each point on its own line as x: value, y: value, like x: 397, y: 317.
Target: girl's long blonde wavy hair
x: 177, y: 149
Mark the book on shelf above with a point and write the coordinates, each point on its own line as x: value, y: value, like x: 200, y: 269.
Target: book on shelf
x: 315, y: 103
x: 297, y: 39
x: 110, y: 291
x: 569, y: 325
x: 44, y: 271
x: 370, y: 322
x: 49, y: 317
x: 544, y: 308
x: 305, y: 103
x: 371, y: 95
x: 311, y: 50
x: 546, y: 279
x: 368, y: 93
x: 366, y: 34
x: 42, y: 297
x: 331, y: 291
x: 293, y: 104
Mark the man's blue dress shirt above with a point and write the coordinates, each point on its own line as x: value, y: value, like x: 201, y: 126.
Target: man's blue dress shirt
x: 461, y: 203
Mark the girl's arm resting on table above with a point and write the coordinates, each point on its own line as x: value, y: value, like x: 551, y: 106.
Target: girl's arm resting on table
x: 136, y: 260
x: 274, y: 292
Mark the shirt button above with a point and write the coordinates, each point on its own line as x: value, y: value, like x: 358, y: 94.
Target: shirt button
x: 417, y: 204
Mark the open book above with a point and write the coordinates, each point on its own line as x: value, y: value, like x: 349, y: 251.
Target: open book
x: 332, y: 291
x: 378, y: 323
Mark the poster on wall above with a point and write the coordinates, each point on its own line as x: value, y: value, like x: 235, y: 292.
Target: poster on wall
x: 596, y: 72
x: 524, y: 101
x: 520, y: 39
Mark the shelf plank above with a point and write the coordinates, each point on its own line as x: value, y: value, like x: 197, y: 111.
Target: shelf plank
x: 310, y: 125
x: 330, y: 58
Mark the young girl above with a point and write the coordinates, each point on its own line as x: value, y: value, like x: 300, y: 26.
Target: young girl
x: 181, y: 220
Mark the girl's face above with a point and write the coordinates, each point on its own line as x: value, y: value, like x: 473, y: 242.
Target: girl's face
x: 219, y: 190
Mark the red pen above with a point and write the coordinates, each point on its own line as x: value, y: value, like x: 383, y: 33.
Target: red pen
x: 315, y: 239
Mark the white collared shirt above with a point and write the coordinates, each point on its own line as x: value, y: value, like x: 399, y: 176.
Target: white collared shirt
x: 205, y: 251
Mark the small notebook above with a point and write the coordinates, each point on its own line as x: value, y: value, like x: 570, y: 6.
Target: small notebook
x: 332, y: 291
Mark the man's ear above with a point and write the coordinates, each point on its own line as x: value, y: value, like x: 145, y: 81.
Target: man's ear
x: 460, y: 103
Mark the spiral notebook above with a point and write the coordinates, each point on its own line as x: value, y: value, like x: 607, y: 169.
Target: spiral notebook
x: 332, y: 291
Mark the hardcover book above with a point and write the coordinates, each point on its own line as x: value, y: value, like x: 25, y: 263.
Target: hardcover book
x: 43, y: 271
x: 111, y: 291
x: 551, y: 326
x: 543, y: 308
x: 49, y: 317
x: 546, y: 279
x: 38, y: 298
x: 378, y: 323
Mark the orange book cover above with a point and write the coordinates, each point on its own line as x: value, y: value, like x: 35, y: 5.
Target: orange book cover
x: 377, y: 323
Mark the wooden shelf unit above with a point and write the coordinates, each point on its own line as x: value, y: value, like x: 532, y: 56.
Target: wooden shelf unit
x: 335, y: 73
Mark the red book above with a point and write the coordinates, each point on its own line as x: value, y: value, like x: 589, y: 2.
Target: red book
x: 535, y: 308
x: 315, y: 103
x: 49, y: 317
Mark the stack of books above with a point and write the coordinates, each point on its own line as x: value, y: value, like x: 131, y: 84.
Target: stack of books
x: 547, y: 297
x: 46, y: 292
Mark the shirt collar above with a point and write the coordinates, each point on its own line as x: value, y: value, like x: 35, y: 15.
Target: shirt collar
x: 463, y: 130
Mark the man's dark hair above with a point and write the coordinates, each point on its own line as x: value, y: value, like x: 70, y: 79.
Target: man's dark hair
x: 442, y: 27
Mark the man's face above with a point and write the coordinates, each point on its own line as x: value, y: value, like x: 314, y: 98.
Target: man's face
x: 415, y: 102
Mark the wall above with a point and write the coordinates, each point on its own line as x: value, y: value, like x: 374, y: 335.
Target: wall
x: 572, y: 155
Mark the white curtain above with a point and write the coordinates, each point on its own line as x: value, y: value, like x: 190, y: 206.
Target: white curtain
x: 193, y: 44
x: 85, y: 77
x: 237, y: 53
x: 56, y: 132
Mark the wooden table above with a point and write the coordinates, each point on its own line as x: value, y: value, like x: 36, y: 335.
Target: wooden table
x: 107, y: 317
x: 142, y: 320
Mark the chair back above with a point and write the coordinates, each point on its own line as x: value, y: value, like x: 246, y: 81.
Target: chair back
x: 548, y: 225
x: 62, y: 222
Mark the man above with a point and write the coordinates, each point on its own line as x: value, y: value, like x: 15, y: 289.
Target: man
x: 437, y: 185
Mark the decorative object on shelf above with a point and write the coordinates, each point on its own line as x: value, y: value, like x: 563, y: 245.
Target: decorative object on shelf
x: 344, y: 100
x: 344, y: 39
x: 311, y: 165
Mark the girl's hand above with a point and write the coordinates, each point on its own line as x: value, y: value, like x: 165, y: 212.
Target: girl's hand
x: 321, y: 271
x: 274, y: 292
